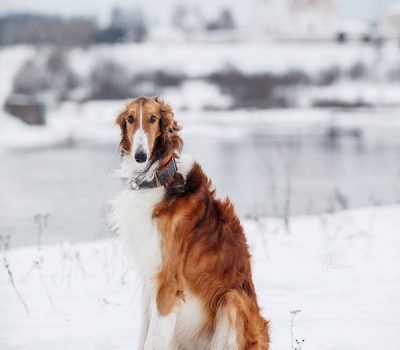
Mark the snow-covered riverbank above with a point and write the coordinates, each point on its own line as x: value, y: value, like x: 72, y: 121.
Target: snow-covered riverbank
x: 93, y: 122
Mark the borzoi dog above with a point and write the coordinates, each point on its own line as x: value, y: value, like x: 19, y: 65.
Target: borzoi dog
x: 189, y: 246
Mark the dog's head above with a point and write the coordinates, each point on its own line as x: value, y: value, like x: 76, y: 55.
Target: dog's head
x: 149, y: 131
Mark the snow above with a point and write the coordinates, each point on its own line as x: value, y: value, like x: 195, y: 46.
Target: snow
x: 70, y: 122
x: 372, y: 93
x: 340, y: 270
x: 195, y: 95
x: 196, y: 59
x: 15, y: 134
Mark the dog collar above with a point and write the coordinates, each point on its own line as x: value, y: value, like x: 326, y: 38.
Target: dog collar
x: 159, y: 177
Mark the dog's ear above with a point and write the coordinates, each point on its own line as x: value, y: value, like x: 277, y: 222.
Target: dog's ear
x: 124, y: 145
x: 169, y: 128
x: 170, y: 140
x: 120, y: 118
x: 168, y: 124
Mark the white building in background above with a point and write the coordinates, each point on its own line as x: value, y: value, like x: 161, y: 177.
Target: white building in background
x: 311, y: 19
x: 390, y: 22
x: 296, y: 19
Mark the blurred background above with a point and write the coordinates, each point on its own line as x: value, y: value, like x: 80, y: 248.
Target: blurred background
x: 290, y: 106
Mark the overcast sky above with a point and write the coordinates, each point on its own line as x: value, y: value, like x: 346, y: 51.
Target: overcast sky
x: 347, y: 9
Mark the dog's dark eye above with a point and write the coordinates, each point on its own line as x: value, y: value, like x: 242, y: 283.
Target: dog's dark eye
x: 153, y: 119
x: 131, y: 119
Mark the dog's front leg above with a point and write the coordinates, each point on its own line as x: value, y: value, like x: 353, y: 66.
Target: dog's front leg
x: 163, y: 310
x: 160, y: 335
x: 145, y: 313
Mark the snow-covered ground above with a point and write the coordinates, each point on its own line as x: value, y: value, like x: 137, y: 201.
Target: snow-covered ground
x: 332, y: 280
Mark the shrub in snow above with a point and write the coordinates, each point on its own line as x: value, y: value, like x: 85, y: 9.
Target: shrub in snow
x: 50, y: 75
x: 261, y: 90
x: 108, y: 80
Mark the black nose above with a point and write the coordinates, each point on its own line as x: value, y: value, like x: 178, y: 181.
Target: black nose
x: 140, y: 157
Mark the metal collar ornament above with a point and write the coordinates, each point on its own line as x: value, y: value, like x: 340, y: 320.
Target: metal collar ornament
x: 156, y: 179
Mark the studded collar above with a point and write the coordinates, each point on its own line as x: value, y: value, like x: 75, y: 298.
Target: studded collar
x: 156, y: 179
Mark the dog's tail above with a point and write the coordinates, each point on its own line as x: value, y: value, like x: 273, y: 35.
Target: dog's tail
x: 239, y: 324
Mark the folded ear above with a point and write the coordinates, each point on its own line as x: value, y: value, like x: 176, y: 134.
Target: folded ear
x: 169, y: 127
x: 124, y: 145
x: 119, y: 119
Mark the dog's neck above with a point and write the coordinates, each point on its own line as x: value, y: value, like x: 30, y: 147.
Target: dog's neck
x: 140, y: 176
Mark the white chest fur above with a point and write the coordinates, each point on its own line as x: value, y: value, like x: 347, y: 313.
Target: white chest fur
x: 132, y: 215
x: 132, y: 218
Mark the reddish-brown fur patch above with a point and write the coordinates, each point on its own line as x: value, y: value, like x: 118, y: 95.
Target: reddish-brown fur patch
x: 204, y: 250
